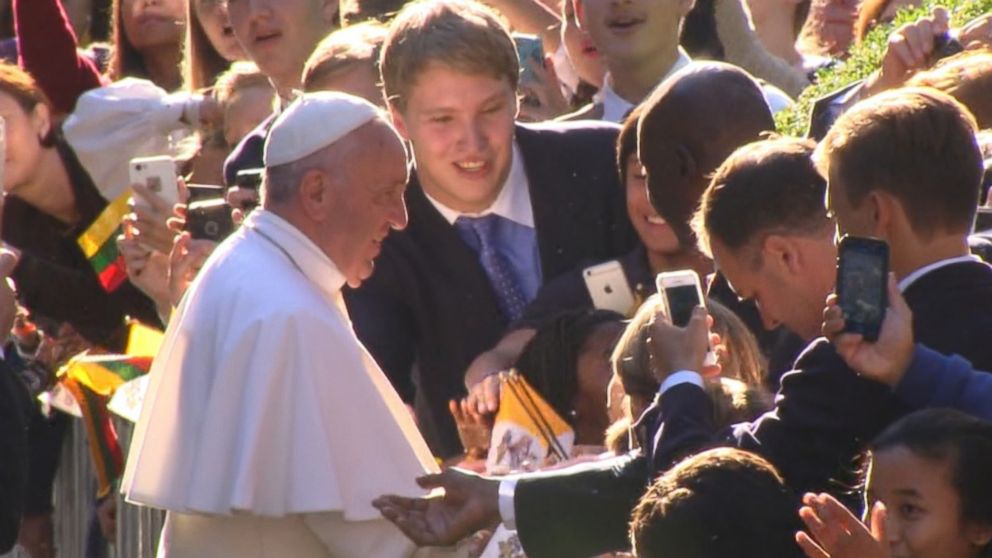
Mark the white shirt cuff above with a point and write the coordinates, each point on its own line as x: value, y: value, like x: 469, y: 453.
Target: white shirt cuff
x: 680, y: 377
x: 507, y: 488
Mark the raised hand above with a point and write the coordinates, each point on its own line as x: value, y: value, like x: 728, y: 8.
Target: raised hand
x: 187, y: 257
x: 887, y: 358
x: 910, y: 49
x: 673, y: 348
x: 470, y: 502
x: 834, y: 532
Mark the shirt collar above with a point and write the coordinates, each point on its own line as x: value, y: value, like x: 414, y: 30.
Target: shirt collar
x: 615, y: 107
x: 513, y: 201
x: 915, y: 275
x: 301, y: 252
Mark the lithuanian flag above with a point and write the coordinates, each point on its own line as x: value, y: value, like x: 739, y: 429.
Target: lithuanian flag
x: 99, y: 243
x: 92, y: 379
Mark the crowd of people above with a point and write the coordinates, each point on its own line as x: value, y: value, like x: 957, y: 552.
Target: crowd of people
x: 409, y: 262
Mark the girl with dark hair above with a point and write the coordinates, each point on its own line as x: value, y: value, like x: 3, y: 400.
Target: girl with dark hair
x: 50, y: 199
x: 567, y: 362
x: 147, y: 40
x: 928, y: 490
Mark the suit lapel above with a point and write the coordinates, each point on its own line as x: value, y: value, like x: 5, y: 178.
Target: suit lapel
x: 554, y: 217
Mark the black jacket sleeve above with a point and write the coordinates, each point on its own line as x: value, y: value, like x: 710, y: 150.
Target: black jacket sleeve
x: 579, y: 511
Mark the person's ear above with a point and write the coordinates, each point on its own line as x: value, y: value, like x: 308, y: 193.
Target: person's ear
x: 316, y: 195
x: 41, y: 120
x: 885, y: 211
x: 979, y: 534
x: 580, y: 13
x: 399, y: 122
x: 779, y: 250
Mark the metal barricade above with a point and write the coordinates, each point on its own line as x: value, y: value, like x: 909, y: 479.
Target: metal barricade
x: 138, y: 527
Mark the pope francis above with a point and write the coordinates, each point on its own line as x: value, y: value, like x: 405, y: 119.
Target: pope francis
x: 267, y: 429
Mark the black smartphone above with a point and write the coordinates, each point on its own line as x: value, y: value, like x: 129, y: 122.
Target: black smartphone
x: 200, y: 192
x: 249, y: 179
x: 862, y: 284
x: 209, y: 219
x: 943, y: 46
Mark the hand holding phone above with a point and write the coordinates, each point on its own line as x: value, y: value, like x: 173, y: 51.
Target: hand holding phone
x: 681, y: 292
x: 862, y: 270
x: 158, y: 175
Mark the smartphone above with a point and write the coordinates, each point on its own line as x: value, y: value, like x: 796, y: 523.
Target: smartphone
x: 158, y: 174
x: 200, y: 192
x: 608, y: 287
x: 680, y: 293
x: 209, y: 219
x: 862, y: 280
x: 943, y: 46
x: 530, y: 50
x: 250, y: 180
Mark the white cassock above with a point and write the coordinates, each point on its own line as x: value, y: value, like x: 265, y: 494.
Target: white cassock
x: 267, y: 429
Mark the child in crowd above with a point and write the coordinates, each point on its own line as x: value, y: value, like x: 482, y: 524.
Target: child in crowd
x: 929, y: 492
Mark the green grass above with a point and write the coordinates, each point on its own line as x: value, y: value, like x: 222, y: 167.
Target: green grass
x: 867, y: 57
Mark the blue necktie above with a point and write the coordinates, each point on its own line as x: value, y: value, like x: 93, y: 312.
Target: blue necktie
x: 480, y: 234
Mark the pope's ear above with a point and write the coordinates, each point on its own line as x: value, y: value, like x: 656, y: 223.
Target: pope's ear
x: 316, y: 194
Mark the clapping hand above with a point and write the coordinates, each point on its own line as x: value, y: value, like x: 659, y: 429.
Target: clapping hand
x: 887, y: 358
x: 834, y: 532
x: 470, y: 502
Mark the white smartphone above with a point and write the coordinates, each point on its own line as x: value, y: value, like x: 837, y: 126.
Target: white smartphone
x: 158, y: 174
x: 608, y: 287
x: 680, y: 292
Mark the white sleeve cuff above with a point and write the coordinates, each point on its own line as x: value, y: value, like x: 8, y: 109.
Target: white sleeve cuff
x: 507, y: 488
x: 680, y: 377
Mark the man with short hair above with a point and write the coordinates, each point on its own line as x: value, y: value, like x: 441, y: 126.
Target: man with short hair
x: 267, y: 428
x: 496, y: 209
x: 903, y: 167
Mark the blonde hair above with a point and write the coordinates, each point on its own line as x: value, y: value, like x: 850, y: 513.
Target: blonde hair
x: 462, y: 34
x: 738, y: 395
x: 344, y: 48
x: 631, y: 356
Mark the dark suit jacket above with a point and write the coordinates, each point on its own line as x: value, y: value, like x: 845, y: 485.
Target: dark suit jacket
x: 429, y: 305
x: 824, y: 416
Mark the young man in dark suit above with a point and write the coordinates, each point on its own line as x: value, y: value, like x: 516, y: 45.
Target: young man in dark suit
x: 904, y: 167
x: 496, y: 208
